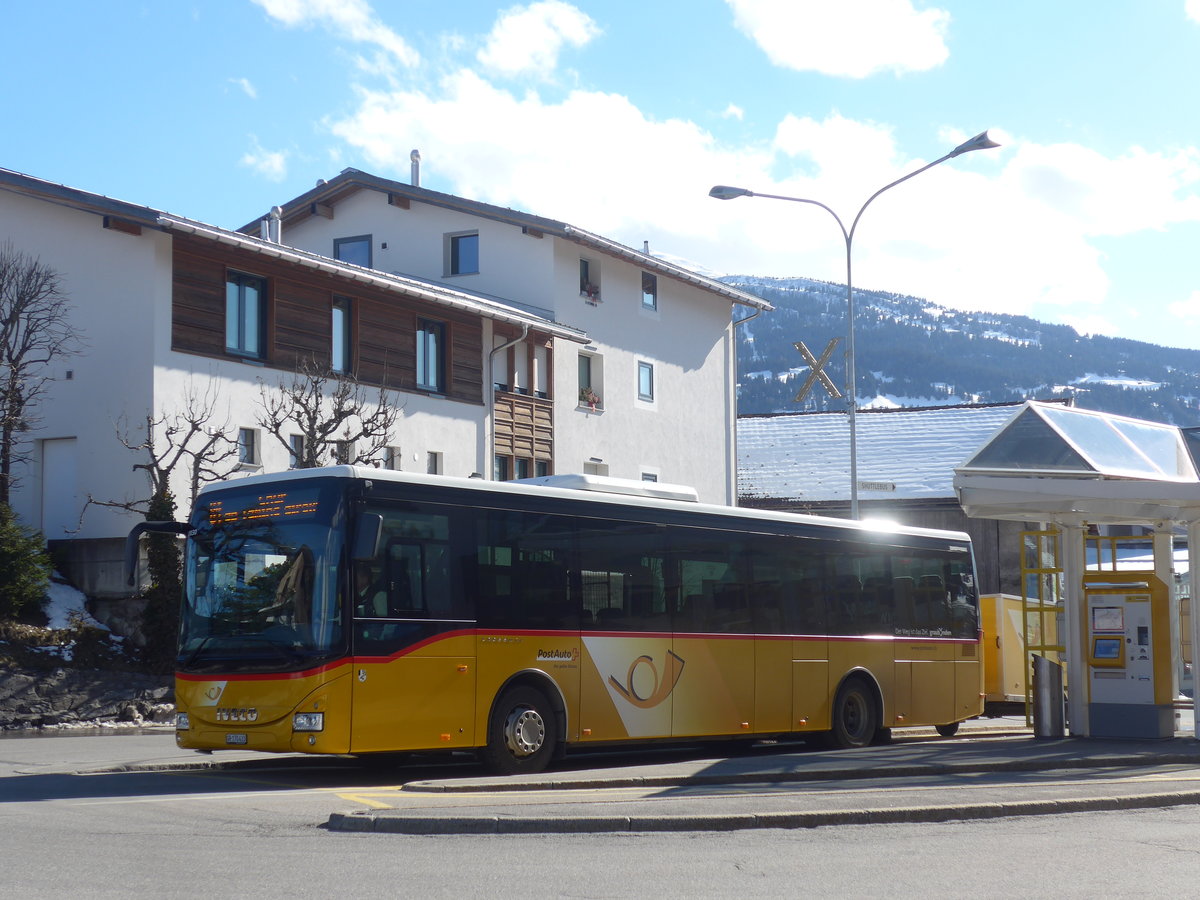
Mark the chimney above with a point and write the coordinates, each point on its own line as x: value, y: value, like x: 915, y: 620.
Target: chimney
x: 415, y: 157
x: 275, y: 225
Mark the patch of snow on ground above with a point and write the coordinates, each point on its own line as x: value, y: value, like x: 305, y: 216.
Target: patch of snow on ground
x: 65, y: 603
x: 1121, y: 381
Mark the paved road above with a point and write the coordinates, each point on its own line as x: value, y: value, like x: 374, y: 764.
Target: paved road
x: 157, y: 822
x: 995, y: 768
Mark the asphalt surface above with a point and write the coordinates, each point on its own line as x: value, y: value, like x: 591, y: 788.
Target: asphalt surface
x: 992, y: 768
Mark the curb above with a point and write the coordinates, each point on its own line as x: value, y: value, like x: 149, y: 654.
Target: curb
x: 909, y: 770
x: 368, y: 822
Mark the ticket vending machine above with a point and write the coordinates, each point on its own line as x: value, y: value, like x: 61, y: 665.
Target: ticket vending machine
x: 1129, y: 656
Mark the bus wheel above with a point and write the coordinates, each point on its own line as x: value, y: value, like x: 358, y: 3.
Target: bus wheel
x: 855, y: 718
x: 522, y: 732
x: 947, y: 730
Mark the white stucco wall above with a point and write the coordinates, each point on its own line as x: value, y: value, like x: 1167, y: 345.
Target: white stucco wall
x: 512, y: 265
x: 119, y: 288
x: 426, y: 424
x: 685, y: 436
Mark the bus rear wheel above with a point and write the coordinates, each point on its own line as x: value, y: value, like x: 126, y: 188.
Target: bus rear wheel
x: 947, y: 730
x: 522, y: 732
x: 855, y: 718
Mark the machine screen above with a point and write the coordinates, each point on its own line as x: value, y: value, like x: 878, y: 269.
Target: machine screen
x: 1106, y: 648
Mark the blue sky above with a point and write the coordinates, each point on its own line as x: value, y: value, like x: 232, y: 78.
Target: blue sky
x: 618, y: 116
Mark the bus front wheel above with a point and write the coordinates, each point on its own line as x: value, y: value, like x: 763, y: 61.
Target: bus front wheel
x: 855, y: 718
x: 947, y: 730
x: 522, y: 732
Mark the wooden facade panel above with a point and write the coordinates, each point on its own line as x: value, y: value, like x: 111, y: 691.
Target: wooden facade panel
x: 299, y: 323
x: 524, y: 426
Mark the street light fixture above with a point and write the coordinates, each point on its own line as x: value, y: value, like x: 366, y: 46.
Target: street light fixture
x: 981, y: 141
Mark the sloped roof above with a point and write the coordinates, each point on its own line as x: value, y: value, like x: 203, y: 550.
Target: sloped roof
x: 349, y: 181
x: 148, y: 217
x: 903, y: 454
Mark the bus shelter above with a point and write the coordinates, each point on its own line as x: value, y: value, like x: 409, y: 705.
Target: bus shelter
x: 1073, y: 468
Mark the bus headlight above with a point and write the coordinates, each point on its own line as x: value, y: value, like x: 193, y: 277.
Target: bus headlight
x: 313, y: 721
x: 182, y: 722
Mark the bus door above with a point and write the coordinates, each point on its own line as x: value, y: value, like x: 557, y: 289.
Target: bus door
x: 414, y: 641
x: 715, y: 662
x: 630, y: 672
x: 921, y: 620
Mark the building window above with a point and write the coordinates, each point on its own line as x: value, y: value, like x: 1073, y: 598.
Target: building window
x: 391, y: 458
x: 649, y: 476
x: 500, y: 468
x: 645, y: 381
x: 590, y: 380
x: 356, y: 250
x: 541, y: 468
x: 433, y: 463
x: 462, y: 254
x: 295, y: 451
x: 343, y: 452
x: 431, y: 343
x: 247, y: 447
x: 589, y: 281
x: 649, y: 291
x: 340, y: 348
x: 245, y: 307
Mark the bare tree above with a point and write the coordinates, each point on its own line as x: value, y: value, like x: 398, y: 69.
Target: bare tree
x: 35, y: 330
x: 331, y: 414
x: 190, y: 441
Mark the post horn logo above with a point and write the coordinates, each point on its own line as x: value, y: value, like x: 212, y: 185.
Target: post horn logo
x: 662, y: 686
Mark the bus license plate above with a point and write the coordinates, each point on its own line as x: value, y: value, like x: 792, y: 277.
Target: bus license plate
x: 236, y: 739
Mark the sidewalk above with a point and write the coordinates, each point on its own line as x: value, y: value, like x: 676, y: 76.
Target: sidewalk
x: 1009, y: 773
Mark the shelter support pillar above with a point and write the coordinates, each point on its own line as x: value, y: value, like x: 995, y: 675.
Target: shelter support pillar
x: 1074, y: 623
x: 1164, y: 568
x: 1193, y: 533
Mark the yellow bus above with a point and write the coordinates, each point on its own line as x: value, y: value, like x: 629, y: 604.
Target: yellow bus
x: 349, y: 610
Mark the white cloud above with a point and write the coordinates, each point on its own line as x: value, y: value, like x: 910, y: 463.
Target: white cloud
x: 247, y: 88
x: 1192, y: 10
x: 851, y: 40
x: 1010, y: 230
x: 733, y: 111
x: 353, y: 20
x: 271, y: 164
x: 553, y: 158
x: 1189, y: 308
x: 526, y: 40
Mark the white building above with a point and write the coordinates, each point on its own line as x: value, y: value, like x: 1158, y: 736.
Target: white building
x: 516, y: 345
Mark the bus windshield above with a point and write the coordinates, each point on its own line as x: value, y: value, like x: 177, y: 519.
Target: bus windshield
x: 263, y: 575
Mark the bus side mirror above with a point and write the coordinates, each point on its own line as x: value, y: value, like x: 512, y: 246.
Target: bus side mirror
x: 367, y: 536
x: 131, y: 542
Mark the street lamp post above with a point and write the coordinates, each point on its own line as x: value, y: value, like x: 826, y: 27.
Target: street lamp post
x: 981, y: 141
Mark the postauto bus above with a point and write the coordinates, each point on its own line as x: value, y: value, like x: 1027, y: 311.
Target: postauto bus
x: 350, y: 610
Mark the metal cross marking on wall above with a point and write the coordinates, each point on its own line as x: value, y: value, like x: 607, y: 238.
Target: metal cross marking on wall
x: 817, y: 370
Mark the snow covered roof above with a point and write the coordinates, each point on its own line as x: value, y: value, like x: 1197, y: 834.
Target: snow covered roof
x: 902, y: 453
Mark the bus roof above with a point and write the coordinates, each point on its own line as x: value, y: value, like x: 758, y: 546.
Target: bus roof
x: 586, y: 488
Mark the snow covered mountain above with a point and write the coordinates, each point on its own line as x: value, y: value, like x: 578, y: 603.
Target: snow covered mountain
x: 910, y: 352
